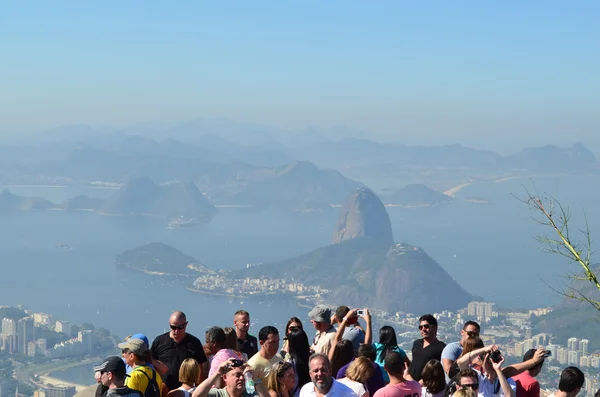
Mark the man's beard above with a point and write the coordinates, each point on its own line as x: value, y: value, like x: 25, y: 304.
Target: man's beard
x: 324, y: 386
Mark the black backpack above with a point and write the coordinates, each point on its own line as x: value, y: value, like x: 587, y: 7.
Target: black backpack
x: 152, y: 389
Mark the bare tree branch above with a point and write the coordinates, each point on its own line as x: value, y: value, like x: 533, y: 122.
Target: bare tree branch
x: 551, y: 213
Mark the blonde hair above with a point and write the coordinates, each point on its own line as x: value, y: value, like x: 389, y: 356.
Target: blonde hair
x: 189, y: 372
x: 465, y: 393
x: 360, y: 370
x: 277, y: 372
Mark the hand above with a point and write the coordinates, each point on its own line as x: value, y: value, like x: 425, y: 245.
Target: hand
x: 225, y: 367
x: 539, y: 355
x: 351, y: 314
x: 366, y: 315
x: 248, y: 368
x: 498, y: 366
x: 406, y: 373
x: 491, y: 348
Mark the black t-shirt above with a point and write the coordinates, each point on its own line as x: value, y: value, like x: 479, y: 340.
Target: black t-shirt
x: 420, y: 356
x: 248, y: 346
x: 172, y: 355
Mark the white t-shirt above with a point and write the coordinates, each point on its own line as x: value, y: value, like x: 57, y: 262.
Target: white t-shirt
x: 338, y: 389
x: 356, y: 387
x: 425, y: 393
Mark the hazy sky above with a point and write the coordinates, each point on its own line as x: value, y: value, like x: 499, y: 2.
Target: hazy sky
x: 462, y: 69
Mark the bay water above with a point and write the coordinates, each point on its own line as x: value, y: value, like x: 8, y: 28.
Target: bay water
x: 488, y: 248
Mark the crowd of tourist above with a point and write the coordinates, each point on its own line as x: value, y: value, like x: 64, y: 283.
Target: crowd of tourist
x: 341, y: 361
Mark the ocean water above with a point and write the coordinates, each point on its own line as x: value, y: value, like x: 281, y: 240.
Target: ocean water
x: 488, y: 248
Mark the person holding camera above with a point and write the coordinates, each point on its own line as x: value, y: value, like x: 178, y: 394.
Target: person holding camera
x: 467, y: 360
x: 352, y: 331
x: 232, y: 372
x: 493, y: 380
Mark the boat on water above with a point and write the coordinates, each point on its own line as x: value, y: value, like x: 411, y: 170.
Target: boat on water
x: 181, y: 223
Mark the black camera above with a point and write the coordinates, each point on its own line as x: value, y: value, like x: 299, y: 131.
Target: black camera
x: 496, y: 356
x: 236, y: 363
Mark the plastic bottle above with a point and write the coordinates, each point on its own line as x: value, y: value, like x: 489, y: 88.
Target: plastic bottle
x: 249, y: 383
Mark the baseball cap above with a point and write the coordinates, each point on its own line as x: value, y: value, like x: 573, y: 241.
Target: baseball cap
x: 320, y: 314
x: 142, y: 337
x: 112, y: 364
x: 135, y: 345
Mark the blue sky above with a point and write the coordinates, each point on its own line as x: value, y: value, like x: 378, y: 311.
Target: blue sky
x: 427, y: 71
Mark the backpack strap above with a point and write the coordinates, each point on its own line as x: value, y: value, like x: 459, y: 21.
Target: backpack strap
x: 150, y: 381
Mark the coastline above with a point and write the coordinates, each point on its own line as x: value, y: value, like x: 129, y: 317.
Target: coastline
x: 49, y: 380
x: 453, y: 191
x: 46, y: 376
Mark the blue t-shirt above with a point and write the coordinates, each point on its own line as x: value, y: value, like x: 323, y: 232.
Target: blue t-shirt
x: 452, y: 351
x: 379, y: 360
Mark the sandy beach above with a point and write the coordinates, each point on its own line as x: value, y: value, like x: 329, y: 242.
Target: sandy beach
x: 452, y: 192
x: 55, y: 382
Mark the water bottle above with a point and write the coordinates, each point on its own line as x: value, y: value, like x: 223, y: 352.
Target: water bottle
x: 249, y: 382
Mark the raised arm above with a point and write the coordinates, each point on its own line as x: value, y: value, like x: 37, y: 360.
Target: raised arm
x: 338, y: 337
x: 369, y: 330
x: 464, y: 361
x: 204, y: 387
x: 516, y: 369
x: 506, y: 389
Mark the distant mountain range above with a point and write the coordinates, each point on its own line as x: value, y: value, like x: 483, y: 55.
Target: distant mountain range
x: 258, y: 170
x: 139, y: 197
x: 416, y: 195
x: 10, y: 203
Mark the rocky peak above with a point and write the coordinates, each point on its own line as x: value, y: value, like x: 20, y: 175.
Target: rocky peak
x: 363, y: 215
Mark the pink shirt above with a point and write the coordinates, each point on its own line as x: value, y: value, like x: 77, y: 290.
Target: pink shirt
x: 221, y: 356
x: 408, y: 388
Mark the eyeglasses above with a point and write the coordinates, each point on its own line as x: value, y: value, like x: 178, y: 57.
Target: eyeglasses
x: 473, y: 386
x: 424, y: 326
x: 178, y: 327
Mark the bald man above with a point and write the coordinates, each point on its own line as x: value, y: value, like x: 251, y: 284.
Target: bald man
x: 175, y: 346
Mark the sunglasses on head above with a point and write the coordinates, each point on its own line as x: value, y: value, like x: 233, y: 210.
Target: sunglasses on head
x: 424, y: 326
x: 178, y: 327
x: 473, y: 386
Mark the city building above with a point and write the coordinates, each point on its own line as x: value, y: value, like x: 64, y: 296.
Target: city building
x: 9, y: 327
x: 574, y: 356
x: 583, y: 346
x: 60, y: 391
x: 64, y: 327
x: 25, y: 334
x: 85, y: 337
x: 573, y: 344
x: 562, y: 355
x: 483, y: 311
x: 42, y: 319
x: 9, y: 344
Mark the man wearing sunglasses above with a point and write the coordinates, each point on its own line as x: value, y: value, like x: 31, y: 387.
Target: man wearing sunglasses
x: 427, y: 348
x: 112, y: 376
x: 467, y: 379
x: 173, y: 347
x: 453, y: 350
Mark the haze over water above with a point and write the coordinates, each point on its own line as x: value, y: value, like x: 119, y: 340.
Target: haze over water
x: 83, y: 285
